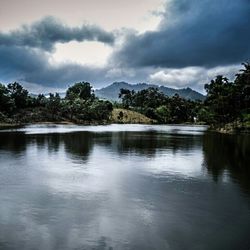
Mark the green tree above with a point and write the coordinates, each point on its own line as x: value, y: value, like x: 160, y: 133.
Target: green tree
x: 242, y: 91
x: 100, y: 110
x: 41, y: 100
x: 150, y: 98
x: 54, y: 105
x: 18, y: 94
x: 163, y: 114
x: 144, y: 101
x: 179, y: 109
x: 205, y: 115
x: 6, y: 103
x: 221, y: 99
x: 82, y: 90
x: 120, y: 116
x: 127, y: 97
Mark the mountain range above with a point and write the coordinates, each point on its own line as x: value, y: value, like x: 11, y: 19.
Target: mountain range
x: 111, y: 92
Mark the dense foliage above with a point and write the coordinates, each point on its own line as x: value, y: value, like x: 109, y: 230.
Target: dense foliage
x: 225, y: 102
x: 155, y: 105
x: 79, y: 105
x: 229, y: 101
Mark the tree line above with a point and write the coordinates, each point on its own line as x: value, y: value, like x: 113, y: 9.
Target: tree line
x: 79, y: 105
x: 226, y: 101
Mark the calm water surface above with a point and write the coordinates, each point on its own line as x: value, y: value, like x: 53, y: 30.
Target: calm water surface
x: 123, y: 187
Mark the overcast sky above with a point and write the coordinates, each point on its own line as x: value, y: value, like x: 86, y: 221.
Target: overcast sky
x: 48, y: 45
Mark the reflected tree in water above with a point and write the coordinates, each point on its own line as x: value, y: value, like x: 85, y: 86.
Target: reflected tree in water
x: 148, y: 144
x: 13, y: 142
x: 230, y: 153
x: 78, y: 145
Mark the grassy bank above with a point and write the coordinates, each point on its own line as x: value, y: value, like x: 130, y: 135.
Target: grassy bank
x: 127, y: 116
x: 232, y: 128
x: 118, y: 115
x: 122, y: 116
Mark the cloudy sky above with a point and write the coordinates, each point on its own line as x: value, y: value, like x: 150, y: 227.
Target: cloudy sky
x: 48, y: 45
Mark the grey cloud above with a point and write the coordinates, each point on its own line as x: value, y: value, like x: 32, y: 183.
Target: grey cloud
x: 48, y: 31
x: 26, y: 54
x: 194, y: 77
x: 33, y: 67
x: 29, y: 65
x: 204, y: 34
x: 192, y: 33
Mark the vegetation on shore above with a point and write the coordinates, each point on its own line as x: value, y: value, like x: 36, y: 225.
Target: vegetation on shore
x: 120, y: 115
x: 79, y: 106
x: 226, y: 107
x: 228, y: 103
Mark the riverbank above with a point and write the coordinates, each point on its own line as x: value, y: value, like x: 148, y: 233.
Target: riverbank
x: 122, y: 116
x: 129, y: 118
x: 16, y: 125
x: 125, y: 116
x: 9, y: 125
x: 232, y: 128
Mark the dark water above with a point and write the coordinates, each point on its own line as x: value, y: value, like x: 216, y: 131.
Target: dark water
x: 124, y: 187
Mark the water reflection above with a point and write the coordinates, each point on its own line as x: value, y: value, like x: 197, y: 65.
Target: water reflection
x: 146, y: 189
x: 228, y: 154
x: 15, y: 143
x: 148, y: 144
x: 80, y: 144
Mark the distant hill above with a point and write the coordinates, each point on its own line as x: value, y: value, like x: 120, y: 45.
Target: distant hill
x: 112, y: 91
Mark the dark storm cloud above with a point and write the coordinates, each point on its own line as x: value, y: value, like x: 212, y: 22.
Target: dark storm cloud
x: 193, y: 33
x: 29, y: 65
x: 48, y: 31
x: 202, y: 33
x: 25, y: 53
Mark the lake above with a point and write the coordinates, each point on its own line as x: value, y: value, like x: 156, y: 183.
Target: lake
x: 124, y: 187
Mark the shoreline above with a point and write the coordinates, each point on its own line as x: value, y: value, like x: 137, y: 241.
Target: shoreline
x: 231, y: 128
x: 13, y: 125
x: 17, y: 125
x: 224, y: 129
